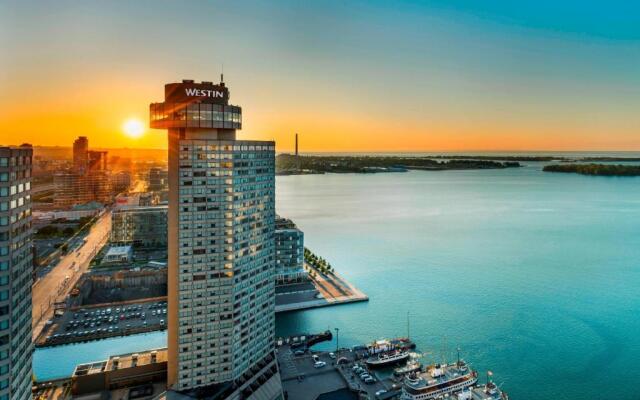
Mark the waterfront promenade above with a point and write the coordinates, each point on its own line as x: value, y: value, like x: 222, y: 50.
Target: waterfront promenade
x: 325, y: 290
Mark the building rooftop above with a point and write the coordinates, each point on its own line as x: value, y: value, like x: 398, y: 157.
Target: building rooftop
x: 119, y: 251
x: 122, y: 361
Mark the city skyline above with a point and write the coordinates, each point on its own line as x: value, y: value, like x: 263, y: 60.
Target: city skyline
x: 347, y: 77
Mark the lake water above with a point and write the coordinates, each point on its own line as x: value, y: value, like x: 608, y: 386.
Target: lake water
x: 533, y: 275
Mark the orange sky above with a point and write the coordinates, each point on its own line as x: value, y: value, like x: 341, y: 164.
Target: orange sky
x: 434, y: 81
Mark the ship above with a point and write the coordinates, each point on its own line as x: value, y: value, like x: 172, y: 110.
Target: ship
x: 439, y: 380
x: 388, y: 345
x: 387, y: 358
x: 411, y: 366
x: 489, y: 391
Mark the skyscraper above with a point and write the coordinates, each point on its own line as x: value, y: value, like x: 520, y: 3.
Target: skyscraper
x: 87, y: 181
x: 15, y: 272
x: 221, y: 321
x: 81, y: 153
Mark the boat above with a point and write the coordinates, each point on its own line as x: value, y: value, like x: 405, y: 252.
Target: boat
x: 411, y: 366
x: 387, y: 345
x: 488, y: 391
x: 439, y: 380
x: 387, y: 358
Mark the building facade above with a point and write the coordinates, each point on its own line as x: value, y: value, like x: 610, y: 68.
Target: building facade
x: 16, y: 267
x: 120, y: 182
x: 139, y: 226
x: 73, y: 188
x: 289, y: 253
x: 221, y: 286
x: 158, y: 179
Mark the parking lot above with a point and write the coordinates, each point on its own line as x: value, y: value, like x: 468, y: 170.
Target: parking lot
x: 91, y: 323
x: 307, y: 374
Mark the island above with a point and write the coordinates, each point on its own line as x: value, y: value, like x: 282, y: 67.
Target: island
x: 595, y: 169
x: 288, y: 164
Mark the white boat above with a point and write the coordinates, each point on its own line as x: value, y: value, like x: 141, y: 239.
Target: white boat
x: 383, y: 359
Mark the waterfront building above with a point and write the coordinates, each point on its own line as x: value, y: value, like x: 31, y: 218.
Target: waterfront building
x: 221, y: 250
x: 139, y: 226
x: 16, y: 267
x: 289, y: 253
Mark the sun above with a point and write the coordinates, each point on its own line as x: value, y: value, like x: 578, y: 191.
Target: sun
x: 134, y: 128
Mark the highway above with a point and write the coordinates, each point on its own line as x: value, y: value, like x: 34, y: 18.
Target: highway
x: 56, y: 285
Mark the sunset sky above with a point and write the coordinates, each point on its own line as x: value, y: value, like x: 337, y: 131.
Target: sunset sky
x: 347, y: 75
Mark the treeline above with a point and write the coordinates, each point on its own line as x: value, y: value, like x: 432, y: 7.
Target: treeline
x: 368, y: 164
x: 595, y: 169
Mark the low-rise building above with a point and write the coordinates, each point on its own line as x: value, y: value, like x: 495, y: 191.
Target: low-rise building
x: 118, y: 255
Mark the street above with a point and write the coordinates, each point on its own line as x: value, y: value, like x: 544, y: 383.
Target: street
x: 57, y: 284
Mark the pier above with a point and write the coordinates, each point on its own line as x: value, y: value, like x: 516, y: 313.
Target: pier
x: 323, y: 289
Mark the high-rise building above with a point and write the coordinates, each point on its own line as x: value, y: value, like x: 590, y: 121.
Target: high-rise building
x: 97, y: 160
x: 81, y: 154
x: 289, y: 253
x: 87, y: 181
x: 221, y: 250
x: 16, y: 265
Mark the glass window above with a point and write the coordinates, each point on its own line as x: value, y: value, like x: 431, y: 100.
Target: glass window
x: 4, y: 162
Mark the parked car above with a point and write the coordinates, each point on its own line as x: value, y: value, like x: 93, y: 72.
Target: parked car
x: 319, y: 364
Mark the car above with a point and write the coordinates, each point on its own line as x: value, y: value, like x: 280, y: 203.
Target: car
x: 298, y: 352
x: 369, y: 380
x: 315, y: 358
x: 153, y: 313
x: 319, y: 364
x: 364, y: 376
x: 161, y: 322
x: 332, y: 355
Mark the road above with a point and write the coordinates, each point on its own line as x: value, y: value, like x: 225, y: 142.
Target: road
x: 57, y: 284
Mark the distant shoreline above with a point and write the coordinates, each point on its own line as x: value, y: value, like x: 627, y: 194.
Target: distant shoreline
x: 595, y: 169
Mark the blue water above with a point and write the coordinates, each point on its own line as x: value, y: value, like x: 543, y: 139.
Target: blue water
x: 60, y: 361
x: 534, y: 275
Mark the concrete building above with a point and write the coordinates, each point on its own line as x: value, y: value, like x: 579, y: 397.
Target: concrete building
x: 221, y: 285
x: 289, y: 253
x: 139, y: 226
x: 16, y: 267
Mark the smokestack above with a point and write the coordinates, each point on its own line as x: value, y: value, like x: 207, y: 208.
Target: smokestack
x: 296, y: 145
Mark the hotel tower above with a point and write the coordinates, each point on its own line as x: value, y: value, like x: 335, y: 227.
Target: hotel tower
x: 221, y: 312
